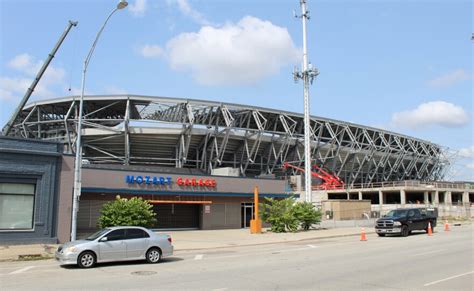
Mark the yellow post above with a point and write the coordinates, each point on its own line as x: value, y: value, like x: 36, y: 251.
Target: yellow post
x: 256, y: 223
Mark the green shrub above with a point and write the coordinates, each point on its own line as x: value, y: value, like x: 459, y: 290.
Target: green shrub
x: 307, y: 214
x: 122, y: 212
x: 280, y: 214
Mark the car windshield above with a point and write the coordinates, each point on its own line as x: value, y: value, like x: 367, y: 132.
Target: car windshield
x: 397, y: 213
x: 98, y: 234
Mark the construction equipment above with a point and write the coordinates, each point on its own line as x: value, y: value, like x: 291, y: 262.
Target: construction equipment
x: 330, y: 181
x: 9, y: 125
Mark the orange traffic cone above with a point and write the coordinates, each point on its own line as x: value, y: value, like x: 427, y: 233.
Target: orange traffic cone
x: 430, y: 230
x: 362, y: 235
x: 446, y: 226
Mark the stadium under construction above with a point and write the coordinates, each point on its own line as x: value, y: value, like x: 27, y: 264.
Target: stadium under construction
x: 199, y: 161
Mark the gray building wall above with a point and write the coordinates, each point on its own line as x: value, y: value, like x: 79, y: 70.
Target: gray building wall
x: 114, y: 179
x: 37, y: 161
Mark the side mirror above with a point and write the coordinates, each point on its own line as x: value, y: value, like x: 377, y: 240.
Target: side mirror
x: 103, y: 239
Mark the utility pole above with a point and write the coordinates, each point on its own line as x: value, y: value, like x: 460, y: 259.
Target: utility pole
x: 9, y: 125
x: 307, y: 74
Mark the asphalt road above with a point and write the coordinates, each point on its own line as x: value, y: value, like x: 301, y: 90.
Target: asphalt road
x: 443, y: 261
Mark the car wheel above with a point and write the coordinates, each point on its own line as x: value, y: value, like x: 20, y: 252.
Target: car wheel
x: 153, y: 255
x: 381, y: 234
x: 405, y: 231
x: 86, y: 260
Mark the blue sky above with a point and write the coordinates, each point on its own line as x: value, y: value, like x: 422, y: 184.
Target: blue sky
x: 405, y: 66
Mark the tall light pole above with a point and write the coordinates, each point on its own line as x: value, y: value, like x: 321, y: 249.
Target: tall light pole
x: 78, y: 163
x: 308, y: 73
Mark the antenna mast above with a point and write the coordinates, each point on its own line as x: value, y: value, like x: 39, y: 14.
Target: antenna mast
x: 307, y: 74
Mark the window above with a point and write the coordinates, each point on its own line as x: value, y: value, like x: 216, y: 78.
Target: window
x: 16, y: 206
x: 118, y: 234
x: 133, y: 233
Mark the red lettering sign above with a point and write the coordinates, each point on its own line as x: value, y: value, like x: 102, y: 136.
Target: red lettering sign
x: 196, y: 182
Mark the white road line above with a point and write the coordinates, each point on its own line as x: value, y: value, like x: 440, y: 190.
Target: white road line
x: 312, y: 246
x: 21, y: 270
x: 428, y: 253
x: 198, y: 257
x: 446, y: 279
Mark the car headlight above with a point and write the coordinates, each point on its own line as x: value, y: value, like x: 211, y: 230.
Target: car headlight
x: 397, y: 223
x: 70, y: 250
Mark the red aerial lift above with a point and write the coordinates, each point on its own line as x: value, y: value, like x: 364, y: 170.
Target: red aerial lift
x: 329, y: 181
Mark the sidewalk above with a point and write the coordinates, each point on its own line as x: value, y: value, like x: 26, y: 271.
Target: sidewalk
x: 199, y: 240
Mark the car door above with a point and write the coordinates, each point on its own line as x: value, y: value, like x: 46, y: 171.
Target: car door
x: 114, y: 247
x: 411, y: 221
x: 137, y: 241
x: 418, y: 220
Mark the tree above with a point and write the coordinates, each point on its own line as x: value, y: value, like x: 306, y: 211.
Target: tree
x: 123, y: 211
x: 307, y: 214
x: 280, y: 214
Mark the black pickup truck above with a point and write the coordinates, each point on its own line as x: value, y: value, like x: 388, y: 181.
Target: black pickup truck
x: 404, y: 220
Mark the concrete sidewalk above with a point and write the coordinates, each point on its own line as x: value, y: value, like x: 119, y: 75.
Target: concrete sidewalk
x: 198, y: 240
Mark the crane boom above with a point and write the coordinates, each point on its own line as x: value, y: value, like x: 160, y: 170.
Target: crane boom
x: 330, y: 181
x: 9, y: 125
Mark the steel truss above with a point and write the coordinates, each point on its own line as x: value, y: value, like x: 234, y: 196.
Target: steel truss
x: 187, y: 133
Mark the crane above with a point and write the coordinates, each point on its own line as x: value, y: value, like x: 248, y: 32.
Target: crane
x: 329, y: 181
x: 9, y: 125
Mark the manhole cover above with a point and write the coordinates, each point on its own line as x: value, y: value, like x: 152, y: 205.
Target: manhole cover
x: 143, y: 273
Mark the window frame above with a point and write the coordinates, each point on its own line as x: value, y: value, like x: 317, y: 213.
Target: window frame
x: 30, y: 181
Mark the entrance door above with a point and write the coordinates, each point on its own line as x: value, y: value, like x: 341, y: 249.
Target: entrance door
x: 247, y: 214
x: 176, y: 215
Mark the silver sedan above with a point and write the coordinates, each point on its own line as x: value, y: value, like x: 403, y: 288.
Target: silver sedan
x: 122, y: 243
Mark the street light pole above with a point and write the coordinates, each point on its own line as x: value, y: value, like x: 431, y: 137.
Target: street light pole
x: 78, y: 162
x: 308, y: 73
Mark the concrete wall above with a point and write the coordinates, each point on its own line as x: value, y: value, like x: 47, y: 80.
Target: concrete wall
x: 224, y: 213
x: 66, y: 182
x: 23, y: 160
x: 346, y: 209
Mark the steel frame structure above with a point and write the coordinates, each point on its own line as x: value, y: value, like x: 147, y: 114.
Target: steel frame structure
x: 186, y: 133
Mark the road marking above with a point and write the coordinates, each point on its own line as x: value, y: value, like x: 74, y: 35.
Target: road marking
x: 21, y: 270
x: 198, y: 257
x: 427, y: 253
x: 220, y: 289
x: 312, y: 246
x: 446, y: 279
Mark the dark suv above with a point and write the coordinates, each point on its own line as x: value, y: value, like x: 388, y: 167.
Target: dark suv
x: 404, y: 220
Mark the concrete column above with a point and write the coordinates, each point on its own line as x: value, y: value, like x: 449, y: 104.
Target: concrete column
x: 447, y: 198
x: 360, y: 195
x: 380, y: 198
x: 348, y: 196
x: 403, y: 197
x: 465, y: 197
x: 426, y: 198
x: 436, y: 198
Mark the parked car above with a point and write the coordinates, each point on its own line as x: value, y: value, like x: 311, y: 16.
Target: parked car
x: 122, y: 243
x: 405, y: 220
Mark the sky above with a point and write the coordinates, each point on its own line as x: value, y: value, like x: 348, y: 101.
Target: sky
x: 399, y: 65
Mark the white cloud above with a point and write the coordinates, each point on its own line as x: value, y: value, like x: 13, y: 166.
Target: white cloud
x: 150, y: 51
x: 431, y: 113
x: 240, y: 53
x: 138, y: 8
x: 450, y: 79
x: 467, y: 152
x: 185, y: 8
x: 14, y: 88
x: 24, y: 63
x: 470, y: 166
